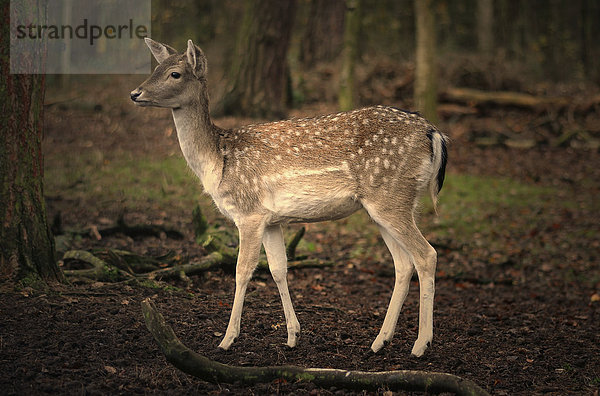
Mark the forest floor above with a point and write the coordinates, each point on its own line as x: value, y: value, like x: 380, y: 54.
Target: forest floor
x: 517, y: 305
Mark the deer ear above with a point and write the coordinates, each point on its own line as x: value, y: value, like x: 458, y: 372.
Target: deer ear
x: 160, y: 51
x: 196, y: 59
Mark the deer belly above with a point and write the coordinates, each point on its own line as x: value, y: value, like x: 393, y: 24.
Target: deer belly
x: 310, y: 204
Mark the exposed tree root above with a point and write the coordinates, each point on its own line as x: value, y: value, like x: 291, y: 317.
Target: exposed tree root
x: 200, y: 366
x: 100, y: 270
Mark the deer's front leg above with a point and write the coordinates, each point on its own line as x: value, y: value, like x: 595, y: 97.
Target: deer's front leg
x: 275, y: 250
x: 250, y: 239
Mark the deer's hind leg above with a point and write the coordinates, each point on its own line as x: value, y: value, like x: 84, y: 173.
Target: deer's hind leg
x: 404, y: 238
x: 403, y: 270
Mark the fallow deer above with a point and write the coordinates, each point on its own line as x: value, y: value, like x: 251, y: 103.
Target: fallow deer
x: 307, y: 170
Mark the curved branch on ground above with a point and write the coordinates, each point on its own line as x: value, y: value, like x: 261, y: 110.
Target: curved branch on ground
x: 208, y: 370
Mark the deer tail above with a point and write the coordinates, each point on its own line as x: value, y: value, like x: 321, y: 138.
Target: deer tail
x: 439, y: 157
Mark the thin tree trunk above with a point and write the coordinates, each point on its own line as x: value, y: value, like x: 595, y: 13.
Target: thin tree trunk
x: 590, y: 50
x: 347, y: 94
x: 485, y: 28
x: 324, y: 33
x: 425, y: 94
x: 258, y: 72
x: 27, y: 253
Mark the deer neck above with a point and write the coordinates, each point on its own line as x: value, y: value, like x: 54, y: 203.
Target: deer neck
x: 199, y: 142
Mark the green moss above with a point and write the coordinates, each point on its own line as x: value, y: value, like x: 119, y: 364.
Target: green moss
x: 150, y: 284
x: 305, y: 376
x: 110, y: 274
x: 31, y: 281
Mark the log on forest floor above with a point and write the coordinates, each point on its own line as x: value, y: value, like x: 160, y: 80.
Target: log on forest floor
x: 505, y: 98
x: 208, y: 370
x: 476, y: 97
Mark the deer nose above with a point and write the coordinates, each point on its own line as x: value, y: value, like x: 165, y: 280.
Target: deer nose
x: 135, y: 94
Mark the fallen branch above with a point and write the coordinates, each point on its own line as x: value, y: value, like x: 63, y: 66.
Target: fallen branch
x: 505, y: 98
x: 200, y: 366
x: 291, y: 247
x: 454, y: 110
x: 100, y: 270
x: 215, y: 260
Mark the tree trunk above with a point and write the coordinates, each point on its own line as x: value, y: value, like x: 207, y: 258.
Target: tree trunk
x: 590, y: 51
x: 258, y: 73
x: 426, y: 71
x: 26, y: 243
x: 485, y: 20
x: 324, y: 32
x: 347, y: 95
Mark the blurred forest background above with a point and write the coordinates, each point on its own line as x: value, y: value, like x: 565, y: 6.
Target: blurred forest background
x: 540, y: 47
x: 490, y: 44
x: 548, y: 39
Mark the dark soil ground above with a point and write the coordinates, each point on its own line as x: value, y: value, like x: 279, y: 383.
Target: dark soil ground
x: 519, y: 320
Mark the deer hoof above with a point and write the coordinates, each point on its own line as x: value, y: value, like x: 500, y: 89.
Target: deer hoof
x: 378, y: 344
x: 226, y: 343
x: 292, y: 339
x: 420, y: 347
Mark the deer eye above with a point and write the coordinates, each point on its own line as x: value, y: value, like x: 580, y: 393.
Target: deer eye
x: 175, y: 75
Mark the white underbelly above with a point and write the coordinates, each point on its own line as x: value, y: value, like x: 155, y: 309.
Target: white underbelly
x: 311, y: 200
x: 313, y: 210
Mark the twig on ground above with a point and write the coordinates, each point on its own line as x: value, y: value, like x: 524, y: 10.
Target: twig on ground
x: 291, y: 247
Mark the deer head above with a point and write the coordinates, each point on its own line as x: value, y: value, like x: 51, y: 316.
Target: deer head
x: 177, y: 80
